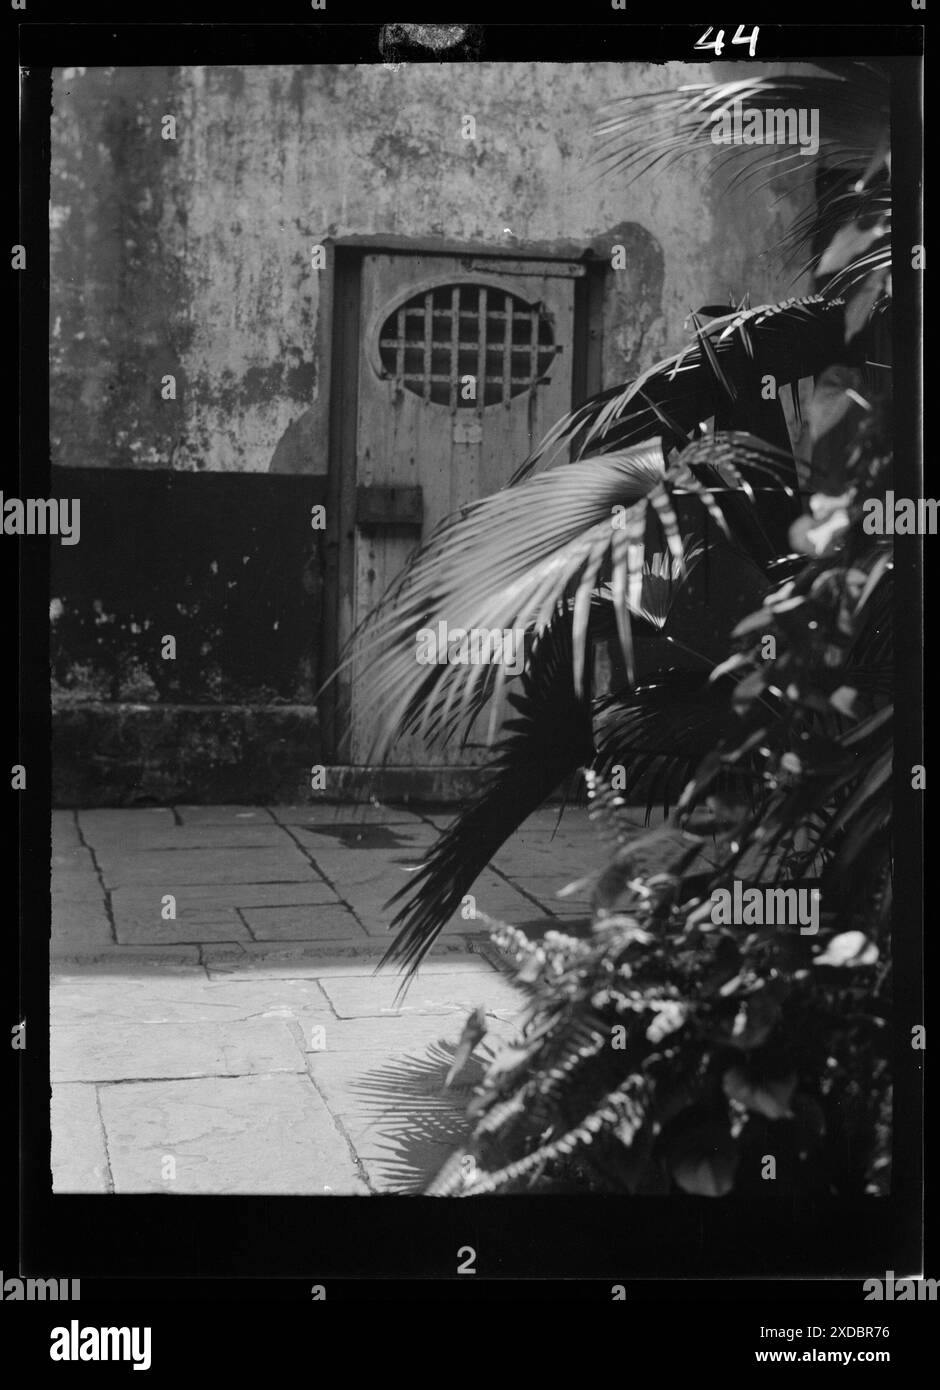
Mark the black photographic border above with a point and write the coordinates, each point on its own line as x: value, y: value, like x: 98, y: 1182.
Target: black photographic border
x: 145, y: 1246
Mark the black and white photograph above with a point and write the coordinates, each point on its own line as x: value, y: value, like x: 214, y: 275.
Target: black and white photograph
x: 484, y: 557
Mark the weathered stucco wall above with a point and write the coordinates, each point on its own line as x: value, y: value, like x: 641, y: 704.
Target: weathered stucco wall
x: 192, y: 256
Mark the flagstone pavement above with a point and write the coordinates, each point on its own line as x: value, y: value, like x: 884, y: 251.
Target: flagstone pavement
x: 217, y: 1022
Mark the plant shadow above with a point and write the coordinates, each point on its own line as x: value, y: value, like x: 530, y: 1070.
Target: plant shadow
x: 416, y: 1121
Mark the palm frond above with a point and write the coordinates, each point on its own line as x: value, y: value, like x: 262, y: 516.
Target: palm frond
x: 505, y: 564
x: 651, y: 740
x: 778, y: 760
x: 876, y: 262
x: 787, y: 341
x: 547, y: 740
x: 653, y: 130
x: 662, y: 580
x: 828, y: 210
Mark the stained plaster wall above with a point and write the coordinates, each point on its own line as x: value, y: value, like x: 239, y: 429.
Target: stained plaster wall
x: 192, y: 256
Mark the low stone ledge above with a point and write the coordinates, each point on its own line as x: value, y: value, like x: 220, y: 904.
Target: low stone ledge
x: 116, y: 754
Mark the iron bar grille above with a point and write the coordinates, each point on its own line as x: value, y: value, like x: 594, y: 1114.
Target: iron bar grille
x: 441, y: 336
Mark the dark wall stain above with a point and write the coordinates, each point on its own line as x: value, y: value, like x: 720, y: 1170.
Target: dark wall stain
x: 633, y: 299
x: 226, y: 563
x: 117, y: 327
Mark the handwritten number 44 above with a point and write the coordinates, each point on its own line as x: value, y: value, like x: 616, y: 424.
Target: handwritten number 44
x: 739, y: 37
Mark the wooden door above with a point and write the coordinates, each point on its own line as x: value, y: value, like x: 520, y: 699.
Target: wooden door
x: 464, y: 364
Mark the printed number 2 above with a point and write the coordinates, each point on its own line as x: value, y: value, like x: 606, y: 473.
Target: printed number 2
x: 468, y: 1255
x: 739, y: 37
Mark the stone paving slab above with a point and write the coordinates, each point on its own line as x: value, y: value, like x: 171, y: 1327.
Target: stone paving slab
x: 257, y: 1135
x: 260, y: 835
x: 79, y: 1155
x: 442, y: 993
x: 249, y: 1039
x: 108, y: 1050
x: 71, y: 886
x: 80, y: 925
x: 205, y: 896
x: 205, y: 920
x: 171, y: 869
x: 500, y: 900
x: 323, y: 922
x: 390, y: 868
x: 189, y: 926
x: 64, y: 831
x: 368, y: 883
x: 72, y: 857
x: 185, y: 995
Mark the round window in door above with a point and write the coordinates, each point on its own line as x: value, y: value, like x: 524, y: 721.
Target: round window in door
x: 437, y: 340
